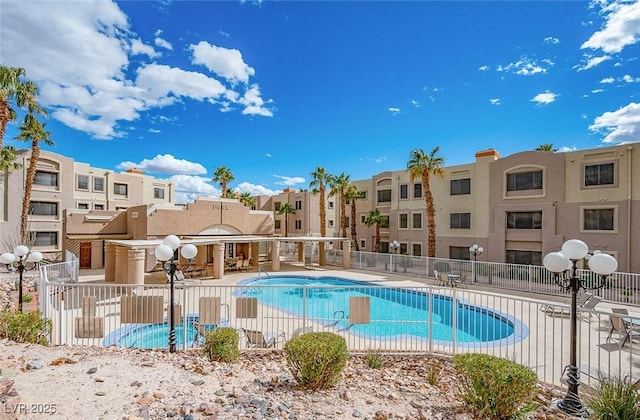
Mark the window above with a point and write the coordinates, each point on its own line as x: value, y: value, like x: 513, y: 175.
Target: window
x: 346, y: 222
x: 598, y: 219
x: 120, y: 189
x: 46, y: 239
x: 601, y: 174
x: 98, y: 206
x: 404, y: 192
x: 82, y: 182
x: 459, y: 253
x: 385, y: 222
x: 83, y: 206
x: 460, y: 221
x: 363, y: 195
x: 277, y: 205
x: 524, y: 181
x: 403, y: 221
x: 384, y: 196
x: 158, y: 193
x: 50, y: 179
x: 417, y: 249
x: 403, y: 249
x: 363, y: 219
x: 41, y: 208
x: 330, y: 204
x: 523, y: 257
x: 417, y: 190
x: 98, y: 184
x: 120, y: 208
x: 384, y: 247
x: 460, y: 186
x: 417, y: 220
x: 298, y: 224
x: 524, y: 220
x: 363, y: 244
x: 298, y: 205
x: 330, y: 223
x: 277, y: 224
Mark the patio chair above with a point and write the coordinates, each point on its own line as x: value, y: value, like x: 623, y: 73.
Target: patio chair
x: 626, y: 331
x: 561, y: 310
x: 444, y: 279
x: 263, y: 340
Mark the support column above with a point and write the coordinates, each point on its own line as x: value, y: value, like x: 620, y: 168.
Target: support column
x: 122, y: 271
x: 300, y: 251
x: 275, y: 256
x: 255, y: 254
x: 96, y: 254
x: 109, y: 262
x: 346, y: 254
x: 135, y: 266
x: 321, y: 257
x: 218, y: 260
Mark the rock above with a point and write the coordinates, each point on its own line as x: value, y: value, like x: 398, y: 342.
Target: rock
x: 92, y: 370
x: 62, y: 360
x: 159, y: 396
x: 35, y: 364
x: 100, y: 393
x: 146, y: 400
x: 197, y: 382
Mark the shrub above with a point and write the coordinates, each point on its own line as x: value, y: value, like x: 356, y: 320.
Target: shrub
x: 374, y: 359
x: 221, y: 345
x: 27, y: 298
x: 25, y: 327
x: 614, y: 398
x: 433, y: 372
x: 316, y: 359
x: 494, y: 387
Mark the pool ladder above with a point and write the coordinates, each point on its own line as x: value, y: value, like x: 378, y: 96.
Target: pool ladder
x: 262, y: 270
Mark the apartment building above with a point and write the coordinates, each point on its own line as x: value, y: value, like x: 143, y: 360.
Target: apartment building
x: 518, y: 208
x: 62, y: 183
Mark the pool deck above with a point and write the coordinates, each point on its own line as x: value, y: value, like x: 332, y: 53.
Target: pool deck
x: 546, y: 333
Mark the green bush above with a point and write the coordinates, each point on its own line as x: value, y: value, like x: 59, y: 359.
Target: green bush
x: 27, y: 298
x: 374, y: 359
x: 494, y: 387
x: 614, y: 399
x: 221, y: 345
x: 316, y: 359
x: 25, y: 327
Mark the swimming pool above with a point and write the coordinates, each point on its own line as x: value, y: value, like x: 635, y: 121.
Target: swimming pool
x: 152, y: 336
x: 395, y: 312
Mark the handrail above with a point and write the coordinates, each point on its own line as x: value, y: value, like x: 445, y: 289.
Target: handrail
x: 261, y: 269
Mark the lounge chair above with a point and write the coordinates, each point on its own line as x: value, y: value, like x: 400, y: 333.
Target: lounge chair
x: 301, y: 330
x: 626, y: 331
x: 561, y: 310
x: 263, y: 340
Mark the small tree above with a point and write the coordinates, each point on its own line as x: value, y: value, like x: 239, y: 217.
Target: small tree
x: 375, y: 218
x: 286, y: 209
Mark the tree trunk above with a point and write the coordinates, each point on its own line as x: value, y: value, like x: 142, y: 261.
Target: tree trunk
x: 431, y: 219
x: 5, y: 116
x: 343, y: 216
x: 353, y: 225
x: 323, y: 213
x: 31, y: 174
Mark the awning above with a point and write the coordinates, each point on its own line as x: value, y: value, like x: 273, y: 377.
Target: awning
x: 97, y: 236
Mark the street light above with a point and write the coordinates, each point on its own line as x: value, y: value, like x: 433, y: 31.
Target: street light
x: 395, y: 247
x: 166, y: 254
x: 563, y: 262
x: 18, y: 262
x: 475, y: 250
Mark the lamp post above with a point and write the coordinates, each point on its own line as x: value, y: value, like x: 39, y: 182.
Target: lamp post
x: 563, y: 262
x: 18, y: 261
x: 395, y: 247
x: 475, y: 250
x: 166, y: 254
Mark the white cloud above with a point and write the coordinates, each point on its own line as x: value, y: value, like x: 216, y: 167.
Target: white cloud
x: 163, y: 43
x: 268, y: 155
x: 630, y: 79
x: 483, y: 68
x: 289, y: 180
x: 608, y: 80
x: 565, y: 149
x: 166, y: 164
x: 621, y: 126
x: 592, y: 62
x: 379, y: 159
x: 544, y: 98
x: 224, y: 34
x: 81, y: 60
x: 415, y: 103
x: 189, y: 188
x: 551, y: 40
x: 153, y: 130
x: 526, y: 66
x: 495, y: 101
x: 224, y: 62
x: 254, y: 104
x: 393, y: 110
x: 621, y: 29
x: 245, y: 187
x: 597, y: 91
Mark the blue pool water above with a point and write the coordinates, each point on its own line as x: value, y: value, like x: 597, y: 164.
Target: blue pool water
x: 151, y: 336
x: 395, y: 312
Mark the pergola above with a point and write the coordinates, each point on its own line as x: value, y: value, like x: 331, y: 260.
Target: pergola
x: 125, y: 259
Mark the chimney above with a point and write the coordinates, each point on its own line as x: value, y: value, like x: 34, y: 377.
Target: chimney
x: 135, y: 171
x: 289, y: 190
x: 489, y: 153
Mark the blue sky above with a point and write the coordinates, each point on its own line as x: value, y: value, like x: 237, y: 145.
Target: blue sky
x: 274, y: 89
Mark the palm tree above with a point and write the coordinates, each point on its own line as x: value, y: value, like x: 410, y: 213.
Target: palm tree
x: 421, y: 165
x: 7, y: 159
x: 248, y: 200
x: 547, y: 147
x: 375, y: 218
x: 223, y: 175
x: 352, y: 194
x: 320, y: 179
x: 32, y: 130
x: 286, y: 209
x: 338, y: 186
